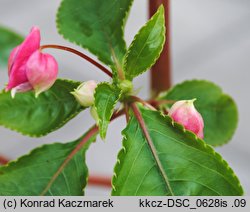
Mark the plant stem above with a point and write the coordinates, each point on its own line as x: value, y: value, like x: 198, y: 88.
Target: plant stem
x: 161, y: 71
x: 93, y: 179
x: 3, y: 160
x: 80, y: 54
x: 118, y: 66
x: 156, y: 103
x: 143, y: 126
x: 126, y: 109
x: 88, y: 135
x: 137, y: 99
x: 99, y: 181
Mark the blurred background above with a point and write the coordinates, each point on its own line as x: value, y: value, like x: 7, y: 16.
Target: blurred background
x: 210, y: 39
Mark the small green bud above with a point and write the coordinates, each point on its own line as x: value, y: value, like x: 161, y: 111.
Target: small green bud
x: 126, y: 86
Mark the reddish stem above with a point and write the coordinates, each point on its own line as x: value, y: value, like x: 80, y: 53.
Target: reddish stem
x: 3, y: 160
x: 80, y: 54
x: 161, y: 71
x: 143, y: 126
x: 126, y: 109
x: 93, y: 179
x: 99, y: 181
x: 88, y: 135
x: 157, y: 103
x: 137, y: 99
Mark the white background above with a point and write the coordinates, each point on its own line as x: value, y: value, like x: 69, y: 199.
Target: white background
x: 210, y: 40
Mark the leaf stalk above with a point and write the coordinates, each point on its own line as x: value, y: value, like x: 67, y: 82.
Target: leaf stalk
x: 142, y: 124
x: 93, y: 130
x: 80, y: 54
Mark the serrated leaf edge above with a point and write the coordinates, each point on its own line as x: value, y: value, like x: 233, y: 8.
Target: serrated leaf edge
x: 135, y: 38
x: 207, y: 147
x: 98, y: 123
x: 69, y: 39
x: 164, y: 93
x: 124, y: 20
x: 112, y: 64
x: 13, y: 162
x: 53, y: 129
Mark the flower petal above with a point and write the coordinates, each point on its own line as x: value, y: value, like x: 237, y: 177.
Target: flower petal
x: 19, y: 56
x: 41, y: 70
x: 12, y: 58
x: 21, y: 88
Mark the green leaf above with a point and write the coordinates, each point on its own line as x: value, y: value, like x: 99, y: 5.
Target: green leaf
x: 97, y: 26
x: 106, y: 97
x: 146, y: 46
x: 30, y: 174
x: 218, y: 110
x: 176, y: 162
x: 39, y: 116
x: 8, y: 40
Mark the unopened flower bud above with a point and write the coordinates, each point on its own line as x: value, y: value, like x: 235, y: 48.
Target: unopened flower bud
x: 185, y: 113
x: 126, y: 86
x: 41, y: 71
x: 84, y: 93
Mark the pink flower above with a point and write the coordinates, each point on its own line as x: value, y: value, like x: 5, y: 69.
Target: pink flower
x: 29, y: 68
x: 185, y: 113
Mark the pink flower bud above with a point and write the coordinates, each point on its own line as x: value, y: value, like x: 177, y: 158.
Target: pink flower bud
x: 185, y: 113
x: 84, y: 94
x: 41, y: 71
x: 28, y: 68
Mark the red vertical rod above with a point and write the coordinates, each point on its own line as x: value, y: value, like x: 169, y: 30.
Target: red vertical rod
x: 161, y: 71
